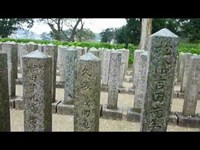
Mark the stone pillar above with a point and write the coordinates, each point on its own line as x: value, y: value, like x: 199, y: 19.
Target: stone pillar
x: 126, y: 51
x: 141, y: 85
x: 24, y: 49
x: 61, y: 61
x: 192, y: 87
x: 52, y: 50
x: 180, y: 67
x: 94, y: 51
x: 185, y: 71
x: 137, y: 54
x: 105, y: 66
x: 4, y: 95
x: 70, y: 75
x: 11, y: 49
x: 122, y: 68
x: 160, y: 80
x: 87, y: 94
x: 113, y: 81
x: 37, y: 93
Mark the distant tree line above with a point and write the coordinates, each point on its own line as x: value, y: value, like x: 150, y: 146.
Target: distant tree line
x: 187, y: 29
x: 75, y: 31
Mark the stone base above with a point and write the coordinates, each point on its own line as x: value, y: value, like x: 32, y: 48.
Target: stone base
x: 129, y: 73
x: 19, y: 104
x: 175, y: 94
x: 19, y: 81
x: 122, y: 90
x: 63, y: 109
x: 12, y: 103
x: 134, y: 114
x: 130, y: 79
x: 104, y: 88
x: 180, y: 94
x: 131, y: 90
x: 173, y: 119
x: 112, y: 114
x: 54, y: 107
x: 191, y: 122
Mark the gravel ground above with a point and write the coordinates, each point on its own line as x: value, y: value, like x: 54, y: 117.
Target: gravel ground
x: 65, y: 123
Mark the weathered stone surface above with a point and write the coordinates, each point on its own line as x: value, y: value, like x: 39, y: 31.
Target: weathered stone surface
x: 126, y: 51
x: 140, y: 89
x: 105, y: 67
x: 190, y: 122
x: 180, y: 69
x: 186, y: 60
x: 4, y: 95
x: 61, y: 61
x: 11, y: 49
x: 160, y: 80
x: 192, y: 87
x: 113, y: 79
x: 134, y: 114
x: 122, y: 67
x: 52, y: 50
x: 37, y: 91
x: 24, y: 49
x: 70, y: 75
x: 137, y: 54
x: 115, y: 114
x: 87, y: 94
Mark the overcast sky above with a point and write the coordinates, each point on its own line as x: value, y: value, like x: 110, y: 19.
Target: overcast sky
x: 96, y: 25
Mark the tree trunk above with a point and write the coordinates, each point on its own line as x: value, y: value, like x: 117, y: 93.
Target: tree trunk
x: 146, y: 29
x: 74, y: 30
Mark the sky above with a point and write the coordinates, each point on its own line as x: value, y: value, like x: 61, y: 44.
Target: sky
x: 95, y: 25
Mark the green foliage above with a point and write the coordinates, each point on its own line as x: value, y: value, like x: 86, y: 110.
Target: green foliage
x: 9, y: 25
x: 107, y: 35
x: 129, y: 33
x: 190, y: 29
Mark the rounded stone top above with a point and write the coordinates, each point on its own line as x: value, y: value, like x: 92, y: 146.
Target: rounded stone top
x: 51, y: 44
x: 165, y: 33
x: 32, y: 43
x: 71, y: 49
x: 117, y: 52
x: 139, y: 50
x: 93, y: 49
x: 89, y: 56
x: 195, y: 56
x: 36, y: 54
x: 9, y: 42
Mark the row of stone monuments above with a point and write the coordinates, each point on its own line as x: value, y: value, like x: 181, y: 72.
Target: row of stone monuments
x: 84, y: 73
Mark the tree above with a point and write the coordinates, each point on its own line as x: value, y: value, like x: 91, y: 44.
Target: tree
x: 107, y: 35
x: 57, y: 25
x: 190, y: 29
x: 45, y: 36
x: 84, y: 35
x: 9, y: 25
x: 129, y: 33
x: 146, y: 29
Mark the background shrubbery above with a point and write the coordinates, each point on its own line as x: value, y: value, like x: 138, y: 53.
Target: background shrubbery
x: 184, y: 47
